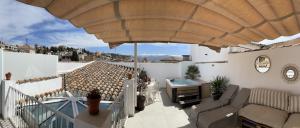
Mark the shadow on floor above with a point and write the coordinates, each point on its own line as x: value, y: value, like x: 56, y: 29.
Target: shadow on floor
x: 166, y: 100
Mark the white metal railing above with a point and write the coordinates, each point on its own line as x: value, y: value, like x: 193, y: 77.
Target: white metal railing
x: 118, y: 112
x: 25, y: 111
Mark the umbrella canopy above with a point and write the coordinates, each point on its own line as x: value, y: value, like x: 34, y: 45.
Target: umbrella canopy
x: 213, y: 23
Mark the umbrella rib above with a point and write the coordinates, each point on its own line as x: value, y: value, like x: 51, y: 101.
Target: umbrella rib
x: 119, y: 17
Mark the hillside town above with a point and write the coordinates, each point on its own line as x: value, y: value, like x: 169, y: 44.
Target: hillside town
x: 67, y: 54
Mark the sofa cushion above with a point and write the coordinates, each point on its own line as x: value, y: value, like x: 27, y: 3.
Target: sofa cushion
x: 293, y: 121
x: 264, y: 115
x: 294, y: 104
x: 271, y: 98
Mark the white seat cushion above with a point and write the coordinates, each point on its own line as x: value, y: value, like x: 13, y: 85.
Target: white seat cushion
x: 264, y: 115
x: 293, y: 121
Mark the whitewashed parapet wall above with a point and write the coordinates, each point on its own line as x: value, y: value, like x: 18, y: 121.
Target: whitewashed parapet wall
x: 1, y: 65
x: 40, y: 87
x: 64, y: 67
x: 240, y: 67
x: 27, y: 65
x: 161, y: 71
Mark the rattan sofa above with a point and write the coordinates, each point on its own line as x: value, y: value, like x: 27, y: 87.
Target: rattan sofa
x: 270, y: 109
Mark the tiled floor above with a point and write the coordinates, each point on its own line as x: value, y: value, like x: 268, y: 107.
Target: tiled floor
x: 160, y: 114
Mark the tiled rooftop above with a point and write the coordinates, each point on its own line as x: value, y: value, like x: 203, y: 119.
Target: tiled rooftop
x: 109, y: 78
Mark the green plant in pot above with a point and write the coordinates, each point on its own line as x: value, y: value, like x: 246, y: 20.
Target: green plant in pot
x: 93, y: 100
x: 192, y: 72
x: 143, y: 75
x: 218, y: 85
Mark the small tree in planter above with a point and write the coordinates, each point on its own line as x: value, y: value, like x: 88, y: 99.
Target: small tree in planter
x: 192, y: 72
x: 143, y: 75
x: 142, y: 85
x: 93, y: 100
x: 218, y: 85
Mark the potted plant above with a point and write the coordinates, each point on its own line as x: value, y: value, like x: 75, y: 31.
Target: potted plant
x: 140, y: 97
x: 143, y: 75
x: 218, y: 85
x: 129, y: 76
x: 93, y: 100
x: 192, y: 72
x: 8, y: 76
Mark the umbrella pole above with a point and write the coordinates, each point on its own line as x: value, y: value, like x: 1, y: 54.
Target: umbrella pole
x: 135, y: 74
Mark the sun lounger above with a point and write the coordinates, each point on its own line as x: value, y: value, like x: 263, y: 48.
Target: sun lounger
x: 225, y: 116
x: 206, y: 106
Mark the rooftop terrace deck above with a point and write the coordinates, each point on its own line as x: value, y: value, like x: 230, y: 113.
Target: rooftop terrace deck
x: 161, y: 114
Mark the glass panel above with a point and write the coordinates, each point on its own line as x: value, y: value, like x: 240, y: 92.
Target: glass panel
x: 80, y: 107
x: 68, y: 110
x: 104, y: 105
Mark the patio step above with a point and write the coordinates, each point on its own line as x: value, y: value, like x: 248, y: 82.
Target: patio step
x: 186, y: 103
x: 189, y: 96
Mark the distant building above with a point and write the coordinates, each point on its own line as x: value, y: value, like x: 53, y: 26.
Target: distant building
x: 98, y: 54
x: 13, y: 48
x: 171, y: 60
x: 90, y: 58
x: 26, y: 48
x: 82, y: 56
x: 186, y: 58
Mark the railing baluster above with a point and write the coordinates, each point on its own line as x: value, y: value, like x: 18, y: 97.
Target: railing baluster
x: 26, y: 111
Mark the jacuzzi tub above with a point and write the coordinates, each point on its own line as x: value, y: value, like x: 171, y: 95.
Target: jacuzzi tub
x: 176, y: 87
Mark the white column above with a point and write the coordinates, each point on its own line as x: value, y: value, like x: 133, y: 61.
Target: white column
x: 135, y: 74
x: 129, y: 97
x: 6, y: 110
x: 1, y: 64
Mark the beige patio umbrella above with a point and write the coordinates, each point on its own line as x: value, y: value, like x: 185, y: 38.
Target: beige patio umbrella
x: 212, y: 23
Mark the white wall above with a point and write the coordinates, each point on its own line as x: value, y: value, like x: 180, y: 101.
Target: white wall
x: 240, y: 67
x: 1, y: 65
x: 183, y: 66
x: 161, y: 71
x: 40, y: 87
x: 64, y: 67
x: 26, y: 65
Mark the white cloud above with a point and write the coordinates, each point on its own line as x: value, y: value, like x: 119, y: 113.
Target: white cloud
x: 76, y: 39
x: 279, y: 39
x: 16, y: 18
x: 57, y: 26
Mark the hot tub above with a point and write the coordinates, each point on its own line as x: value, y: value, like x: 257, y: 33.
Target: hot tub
x: 177, y: 87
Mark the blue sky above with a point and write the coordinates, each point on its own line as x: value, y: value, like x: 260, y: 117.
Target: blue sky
x: 23, y: 22
x: 20, y: 22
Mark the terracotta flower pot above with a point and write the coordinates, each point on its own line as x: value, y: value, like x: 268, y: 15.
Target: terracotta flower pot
x: 8, y: 76
x: 129, y: 76
x: 93, y: 106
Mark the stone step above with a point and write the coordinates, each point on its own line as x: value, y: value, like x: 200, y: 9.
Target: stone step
x: 186, y: 103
